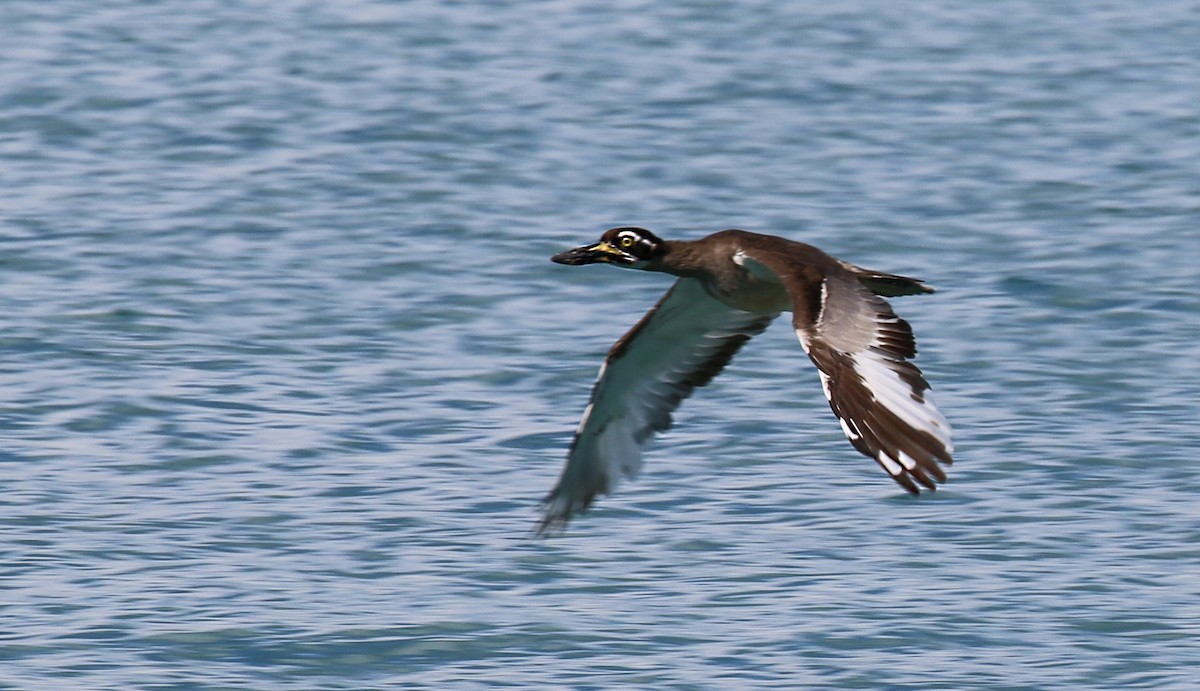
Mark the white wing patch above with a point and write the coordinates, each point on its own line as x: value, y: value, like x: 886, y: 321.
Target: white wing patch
x: 889, y: 465
x: 916, y: 409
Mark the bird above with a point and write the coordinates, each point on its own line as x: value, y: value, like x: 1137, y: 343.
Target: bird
x: 729, y: 287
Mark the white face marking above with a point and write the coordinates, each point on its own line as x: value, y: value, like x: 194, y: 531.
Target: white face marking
x: 636, y: 248
x: 627, y: 239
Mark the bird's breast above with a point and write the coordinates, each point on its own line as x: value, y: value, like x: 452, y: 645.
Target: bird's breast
x: 753, y: 295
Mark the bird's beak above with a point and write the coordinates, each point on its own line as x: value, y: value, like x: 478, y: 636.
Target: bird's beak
x: 599, y: 253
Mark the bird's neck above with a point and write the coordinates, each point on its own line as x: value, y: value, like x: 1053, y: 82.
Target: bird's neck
x: 678, y: 258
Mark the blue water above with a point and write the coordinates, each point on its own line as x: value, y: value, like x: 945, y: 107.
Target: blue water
x: 286, y: 368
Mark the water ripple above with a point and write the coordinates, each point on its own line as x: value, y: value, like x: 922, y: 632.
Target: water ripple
x: 288, y: 371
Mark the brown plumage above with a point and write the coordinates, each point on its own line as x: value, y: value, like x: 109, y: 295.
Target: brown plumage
x: 731, y: 285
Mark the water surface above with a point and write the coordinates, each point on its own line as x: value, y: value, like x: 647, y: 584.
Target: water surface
x: 287, y: 370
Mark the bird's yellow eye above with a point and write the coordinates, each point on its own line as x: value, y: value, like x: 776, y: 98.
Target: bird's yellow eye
x: 627, y: 241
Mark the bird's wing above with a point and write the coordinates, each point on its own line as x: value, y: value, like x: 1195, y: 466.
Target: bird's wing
x: 862, y: 350
x: 682, y: 343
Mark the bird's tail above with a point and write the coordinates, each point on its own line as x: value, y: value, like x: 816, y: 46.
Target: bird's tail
x: 889, y: 285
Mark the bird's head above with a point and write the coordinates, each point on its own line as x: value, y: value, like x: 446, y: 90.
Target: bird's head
x: 629, y: 247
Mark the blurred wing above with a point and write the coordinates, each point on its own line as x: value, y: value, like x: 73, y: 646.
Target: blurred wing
x: 682, y: 343
x: 862, y: 350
